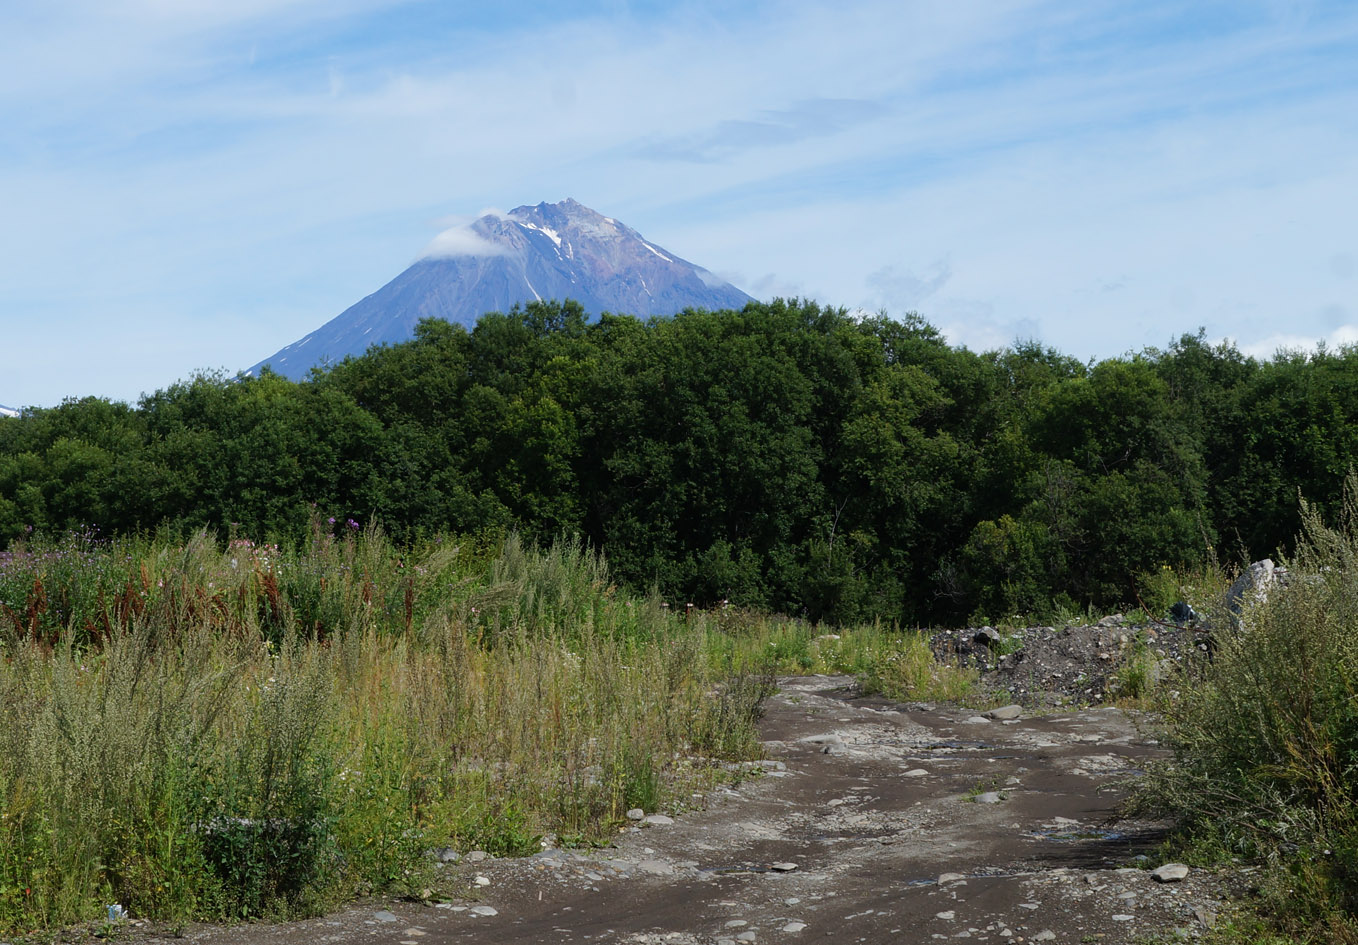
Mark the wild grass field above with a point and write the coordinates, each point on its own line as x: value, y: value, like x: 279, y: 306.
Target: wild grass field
x: 225, y: 729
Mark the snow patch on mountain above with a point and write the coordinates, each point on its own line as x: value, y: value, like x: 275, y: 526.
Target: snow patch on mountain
x: 498, y: 260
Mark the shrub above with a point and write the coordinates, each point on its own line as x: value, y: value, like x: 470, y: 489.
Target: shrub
x: 1265, y: 736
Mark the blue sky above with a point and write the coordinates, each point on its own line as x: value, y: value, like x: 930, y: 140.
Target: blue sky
x: 191, y: 185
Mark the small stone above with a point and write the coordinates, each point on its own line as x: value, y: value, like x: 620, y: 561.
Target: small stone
x: 1005, y: 712
x: 448, y: 855
x: 385, y: 916
x: 948, y: 915
x: 746, y: 937
x: 988, y: 637
x: 915, y: 773
x: 976, y: 720
x: 636, y: 813
x: 989, y: 797
x: 476, y: 856
x: 426, y: 893
x: 794, y: 926
x: 1123, y: 918
x: 1170, y: 873
x: 414, y: 933
x: 1046, y: 935
x: 946, y: 878
x: 783, y: 867
x: 484, y: 910
x: 656, y: 867
x: 482, y: 880
x: 736, y: 924
x: 658, y: 820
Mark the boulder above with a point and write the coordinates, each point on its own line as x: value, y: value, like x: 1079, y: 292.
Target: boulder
x: 988, y: 637
x: 1252, y: 585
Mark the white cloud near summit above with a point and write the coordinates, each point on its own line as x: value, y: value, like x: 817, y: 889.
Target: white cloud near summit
x: 461, y: 241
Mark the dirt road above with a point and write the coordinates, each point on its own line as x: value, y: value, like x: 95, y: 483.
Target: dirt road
x: 875, y: 822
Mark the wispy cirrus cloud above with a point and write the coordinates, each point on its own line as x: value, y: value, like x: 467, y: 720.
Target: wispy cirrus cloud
x: 234, y: 174
x: 815, y: 118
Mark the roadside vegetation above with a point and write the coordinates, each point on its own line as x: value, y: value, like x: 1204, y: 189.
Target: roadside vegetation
x: 1265, y: 744
x: 233, y: 729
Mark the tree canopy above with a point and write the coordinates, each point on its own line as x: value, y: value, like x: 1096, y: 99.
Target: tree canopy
x: 785, y: 455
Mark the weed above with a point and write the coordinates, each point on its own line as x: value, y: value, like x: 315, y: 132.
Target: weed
x: 1265, y: 736
x: 212, y: 731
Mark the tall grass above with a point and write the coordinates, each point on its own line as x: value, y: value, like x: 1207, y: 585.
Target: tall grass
x: 1265, y: 736
x: 885, y: 660
x: 192, y: 730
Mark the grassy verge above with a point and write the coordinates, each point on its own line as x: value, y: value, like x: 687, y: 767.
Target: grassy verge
x: 886, y: 660
x: 1265, y: 743
x: 199, y: 731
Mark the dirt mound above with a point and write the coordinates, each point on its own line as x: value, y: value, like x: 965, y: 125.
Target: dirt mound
x: 1056, y: 666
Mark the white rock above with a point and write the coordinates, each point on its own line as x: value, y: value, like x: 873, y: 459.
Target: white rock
x: 484, y: 910
x: 794, y: 926
x: 482, y: 880
x: 1004, y: 713
x: 1170, y: 873
x: 915, y: 773
x: 946, y: 878
x: 1046, y: 935
x: 636, y: 813
x: 658, y: 820
x: 950, y: 914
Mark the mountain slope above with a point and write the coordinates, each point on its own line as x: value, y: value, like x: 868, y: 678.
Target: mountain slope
x: 548, y: 251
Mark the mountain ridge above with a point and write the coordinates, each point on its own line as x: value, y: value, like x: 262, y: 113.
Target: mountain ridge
x: 538, y: 252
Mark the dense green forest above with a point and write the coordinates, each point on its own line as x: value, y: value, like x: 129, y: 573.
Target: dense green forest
x: 785, y: 456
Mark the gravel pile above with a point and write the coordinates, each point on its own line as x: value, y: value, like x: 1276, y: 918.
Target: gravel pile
x: 1072, y: 664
